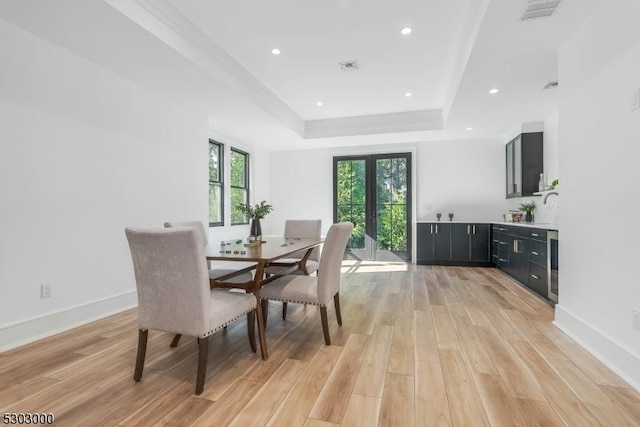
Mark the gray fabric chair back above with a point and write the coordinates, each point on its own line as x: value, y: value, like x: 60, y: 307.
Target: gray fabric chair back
x: 331, y: 260
x: 172, y: 280
x: 304, y: 229
x: 202, y: 231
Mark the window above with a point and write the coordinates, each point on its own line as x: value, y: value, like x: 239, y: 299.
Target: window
x: 239, y: 185
x: 216, y: 188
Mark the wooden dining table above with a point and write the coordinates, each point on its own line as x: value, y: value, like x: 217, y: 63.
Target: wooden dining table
x: 272, y: 250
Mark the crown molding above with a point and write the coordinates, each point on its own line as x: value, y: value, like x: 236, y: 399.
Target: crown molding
x: 164, y: 21
x: 409, y: 121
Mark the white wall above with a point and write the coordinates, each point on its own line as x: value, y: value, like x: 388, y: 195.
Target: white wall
x: 599, y: 68
x: 83, y: 154
x: 463, y: 177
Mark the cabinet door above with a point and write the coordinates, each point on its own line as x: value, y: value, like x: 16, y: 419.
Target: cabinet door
x: 424, y: 243
x: 514, y: 167
x: 460, y: 248
x: 538, y: 280
x: 479, y: 244
x: 442, y: 242
x: 510, y: 171
x: 518, y: 266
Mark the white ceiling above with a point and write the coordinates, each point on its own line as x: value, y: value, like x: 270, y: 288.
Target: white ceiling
x: 217, y: 55
x: 314, y: 36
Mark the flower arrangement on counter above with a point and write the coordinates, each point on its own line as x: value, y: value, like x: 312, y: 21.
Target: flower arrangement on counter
x: 527, y: 207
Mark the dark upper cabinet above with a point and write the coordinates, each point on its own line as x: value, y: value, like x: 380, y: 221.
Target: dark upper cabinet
x: 470, y: 242
x: 524, y: 157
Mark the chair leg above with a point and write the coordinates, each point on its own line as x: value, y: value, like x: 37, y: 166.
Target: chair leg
x: 143, y: 334
x: 265, y: 310
x: 284, y: 311
x: 325, y: 325
x: 175, y: 341
x: 251, y: 328
x: 261, y: 330
x: 336, y: 303
x: 203, y: 353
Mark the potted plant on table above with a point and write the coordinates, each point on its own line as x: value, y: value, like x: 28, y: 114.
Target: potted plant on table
x: 528, y: 208
x: 255, y: 213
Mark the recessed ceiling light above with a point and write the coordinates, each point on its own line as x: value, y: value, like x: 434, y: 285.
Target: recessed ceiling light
x: 275, y: 51
x: 469, y: 128
x: 319, y: 104
x: 494, y: 91
x: 406, y: 31
x: 408, y: 94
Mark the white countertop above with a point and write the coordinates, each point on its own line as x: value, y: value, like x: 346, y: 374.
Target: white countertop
x: 542, y: 225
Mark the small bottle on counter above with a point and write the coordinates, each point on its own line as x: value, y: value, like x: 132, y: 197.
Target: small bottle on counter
x: 541, y: 184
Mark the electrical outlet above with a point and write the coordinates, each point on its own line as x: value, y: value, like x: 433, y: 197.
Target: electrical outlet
x: 636, y: 318
x: 46, y: 290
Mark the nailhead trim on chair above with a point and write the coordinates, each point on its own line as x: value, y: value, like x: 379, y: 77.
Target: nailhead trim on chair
x: 225, y: 324
x: 295, y: 302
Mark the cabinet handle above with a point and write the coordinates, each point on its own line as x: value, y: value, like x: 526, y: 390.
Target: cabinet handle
x: 468, y: 229
x: 496, y: 241
x: 534, y: 253
x: 534, y: 276
x: 516, y: 246
x: 431, y: 228
x: 474, y: 229
x: 436, y: 228
x: 502, y: 260
x: 535, y: 234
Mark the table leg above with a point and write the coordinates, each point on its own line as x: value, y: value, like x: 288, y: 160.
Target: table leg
x: 256, y: 291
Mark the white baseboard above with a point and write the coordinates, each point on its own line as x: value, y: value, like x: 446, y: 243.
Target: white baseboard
x: 26, y: 331
x: 614, y: 355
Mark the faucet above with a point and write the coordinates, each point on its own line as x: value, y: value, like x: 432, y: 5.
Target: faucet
x: 544, y: 201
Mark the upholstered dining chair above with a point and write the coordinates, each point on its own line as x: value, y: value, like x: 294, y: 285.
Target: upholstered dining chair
x: 315, y: 290
x: 174, y: 296
x: 299, y: 229
x: 217, y: 269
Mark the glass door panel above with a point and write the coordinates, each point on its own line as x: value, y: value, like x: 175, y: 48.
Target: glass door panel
x: 374, y: 193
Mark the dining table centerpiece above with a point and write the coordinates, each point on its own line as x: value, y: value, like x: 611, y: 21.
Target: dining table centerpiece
x: 255, y: 214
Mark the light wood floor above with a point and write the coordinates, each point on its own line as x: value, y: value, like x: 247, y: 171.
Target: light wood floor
x: 419, y: 346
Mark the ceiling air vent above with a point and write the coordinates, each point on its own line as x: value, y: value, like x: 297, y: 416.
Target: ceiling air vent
x: 539, y: 9
x: 349, y: 65
x: 550, y: 85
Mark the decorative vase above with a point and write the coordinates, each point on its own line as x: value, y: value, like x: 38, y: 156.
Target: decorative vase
x: 256, y: 229
x: 528, y: 217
